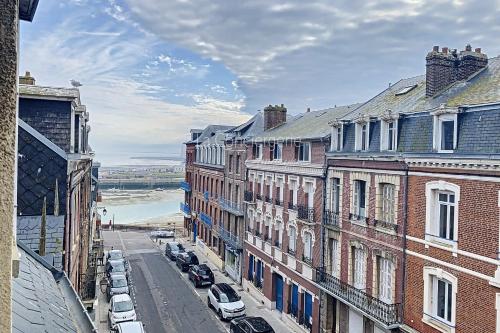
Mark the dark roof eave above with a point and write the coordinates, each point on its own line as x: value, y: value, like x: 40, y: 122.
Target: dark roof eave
x: 27, y: 9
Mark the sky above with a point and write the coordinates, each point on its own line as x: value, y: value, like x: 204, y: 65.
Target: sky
x: 151, y: 70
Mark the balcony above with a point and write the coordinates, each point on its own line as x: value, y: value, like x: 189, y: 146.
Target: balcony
x: 291, y: 205
x: 248, y: 196
x: 185, y: 209
x: 185, y: 186
x: 387, y: 314
x: 305, y: 213
x: 268, y: 199
x: 206, y: 219
x: 332, y: 218
x: 230, y: 238
x: 278, y: 202
x: 231, y: 206
x: 386, y: 225
x: 258, y: 196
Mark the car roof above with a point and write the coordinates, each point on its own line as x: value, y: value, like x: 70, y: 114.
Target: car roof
x: 115, y: 251
x: 118, y: 277
x: 258, y: 324
x: 116, y: 262
x: 121, y: 298
x: 173, y: 243
x: 225, y: 288
x: 131, y: 326
x: 203, y: 266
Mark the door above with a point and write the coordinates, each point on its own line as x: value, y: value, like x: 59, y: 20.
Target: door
x: 307, y: 308
x: 278, y: 280
x: 295, y: 300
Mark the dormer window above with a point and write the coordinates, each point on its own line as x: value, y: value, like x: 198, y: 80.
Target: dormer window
x: 303, y: 152
x: 337, y: 137
x: 445, y: 130
x: 362, y: 135
x: 388, y: 135
x: 257, y: 151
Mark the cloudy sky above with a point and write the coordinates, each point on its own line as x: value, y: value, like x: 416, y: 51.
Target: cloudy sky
x: 151, y: 70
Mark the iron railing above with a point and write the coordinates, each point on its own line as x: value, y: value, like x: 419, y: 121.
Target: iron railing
x: 388, y: 314
x: 268, y: 199
x: 278, y: 202
x: 305, y: 213
x: 230, y: 238
x: 258, y: 196
x: 248, y: 196
x: 185, y: 186
x: 185, y: 209
x: 206, y: 219
x: 386, y: 225
x: 231, y: 206
x: 332, y: 218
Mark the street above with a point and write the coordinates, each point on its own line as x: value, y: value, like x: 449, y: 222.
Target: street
x: 164, y: 301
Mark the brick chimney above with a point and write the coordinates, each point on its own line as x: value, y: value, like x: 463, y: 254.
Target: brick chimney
x: 274, y: 116
x: 27, y: 79
x: 444, y: 67
x: 471, y: 62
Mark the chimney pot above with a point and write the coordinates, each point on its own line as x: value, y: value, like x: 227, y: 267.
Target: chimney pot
x: 468, y: 47
x: 435, y: 48
x: 274, y: 116
x: 478, y: 50
x: 445, y: 50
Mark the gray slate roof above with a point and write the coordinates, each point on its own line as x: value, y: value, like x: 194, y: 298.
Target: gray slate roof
x: 250, y: 129
x: 27, y: 90
x: 308, y: 125
x: 209, y: 131
x: 40, y: 299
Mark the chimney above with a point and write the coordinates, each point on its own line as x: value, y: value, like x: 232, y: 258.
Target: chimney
x: 471, y: 62
x: 27, y: 79
x: 441, y: 68
x: 274, y: 116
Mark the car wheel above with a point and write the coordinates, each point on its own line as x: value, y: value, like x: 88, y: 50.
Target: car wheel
x: 196, y: 285
x: 220, y: 315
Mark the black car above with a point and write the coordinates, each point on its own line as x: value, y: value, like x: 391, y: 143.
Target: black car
x: 250, y: 325
x: 201, y: 275
x: 185, y: 260
x: 172, y: 250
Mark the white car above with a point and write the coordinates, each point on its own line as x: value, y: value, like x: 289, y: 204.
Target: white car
x: 129, y: 327
x: 225, y: 301
x: 163, y: 234
x: 121, y: 309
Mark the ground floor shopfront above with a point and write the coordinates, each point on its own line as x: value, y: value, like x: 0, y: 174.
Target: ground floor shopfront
x: 281, y: 289
x: 232, y: 263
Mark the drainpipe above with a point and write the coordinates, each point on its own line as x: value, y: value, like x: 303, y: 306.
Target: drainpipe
x: 322, y: 234
x: 405, y: 230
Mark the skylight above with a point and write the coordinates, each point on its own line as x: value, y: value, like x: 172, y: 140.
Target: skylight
x: 405, y: 90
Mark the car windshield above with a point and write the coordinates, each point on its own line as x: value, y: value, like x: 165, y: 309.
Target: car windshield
x: 115, y: 255
x: 229, y: 297
x: 118, y: 267
x: 123, y: 306
x: 118, y: 283
x: 204, y: 271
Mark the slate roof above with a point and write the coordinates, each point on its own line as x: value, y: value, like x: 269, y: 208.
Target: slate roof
x: 209, y: 131
x: 43, y: 301
x: 249, y: 129
x: 308, y: 125
x: 27, y: 90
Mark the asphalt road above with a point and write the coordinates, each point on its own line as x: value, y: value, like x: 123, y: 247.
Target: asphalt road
x: 165, y: 302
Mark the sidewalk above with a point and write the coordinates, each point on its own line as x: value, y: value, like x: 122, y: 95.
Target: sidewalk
x: 253, y: 307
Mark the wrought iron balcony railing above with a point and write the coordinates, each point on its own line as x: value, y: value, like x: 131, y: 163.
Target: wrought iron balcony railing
x: 230, y: 238
x: 258, y: 196
x: 332, y: 218
x: 307, y: 260
x: 257, y: 233
x: 185, y: 186
x: 206, y: 219
x: 185, y: 209
x: 305, y: 213
x: 291, y: 251
x: 268, y: 199
x: 387, y: 314
x: 231, y: 206
x: 248, y: 196
x: 386, y: 225
x: 278, y: 202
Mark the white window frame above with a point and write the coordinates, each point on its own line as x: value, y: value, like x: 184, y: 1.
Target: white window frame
x: 278, y: 152
x: 356, y: 198
x: 385, y: 268
x: 432, y: 190
x: 259, y: 148
x: 359, y: 268
x: 308, y: 244
x: 430, y: 317
x: 309, y: 150
x: 358, y: 144
x: 292, y: 237
x: 337, y: 138
x: 438, y: 128
x: 387, y: 207
x: 384, y: 135
x: 334, y: 256
x: 336, y: 194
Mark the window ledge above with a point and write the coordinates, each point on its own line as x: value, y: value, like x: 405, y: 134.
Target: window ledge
x: 438, y: 324
x: 388, y: 231
x: 359, y: 222
x: 451, y: 244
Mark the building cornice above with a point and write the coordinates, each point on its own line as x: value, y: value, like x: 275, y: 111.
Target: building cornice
x: 296, y: 168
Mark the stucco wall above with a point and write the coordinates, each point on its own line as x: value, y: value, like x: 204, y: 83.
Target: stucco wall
x: 8, y: 97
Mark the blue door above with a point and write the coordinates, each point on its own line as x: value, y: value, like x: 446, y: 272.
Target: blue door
x: 250, y: 268
x: 295, y: 300
x: 259, y: 267
x: 278, y: 280
x: 195, y: 231
x: 307, y: 308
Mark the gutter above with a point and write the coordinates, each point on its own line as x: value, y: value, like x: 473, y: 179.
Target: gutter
x: 405, y: 240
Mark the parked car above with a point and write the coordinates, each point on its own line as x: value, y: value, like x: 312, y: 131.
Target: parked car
x: 225, y: 301
x: 115, y: 255
x: 201, y: 275
x: 162, y: 234
x: 129, y: 327
x: 250, y: 325
x: 116, y: 267
x: 172, y: 249
x: 117, y: 284
x: 186, y: 260
x: 121, y: 309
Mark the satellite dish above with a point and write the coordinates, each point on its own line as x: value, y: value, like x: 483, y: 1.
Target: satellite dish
x: 75, y: 83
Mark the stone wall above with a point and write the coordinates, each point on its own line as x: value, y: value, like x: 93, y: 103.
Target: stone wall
x: 8, y: 97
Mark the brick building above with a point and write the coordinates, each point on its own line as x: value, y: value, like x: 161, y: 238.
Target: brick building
x: 284, y: 196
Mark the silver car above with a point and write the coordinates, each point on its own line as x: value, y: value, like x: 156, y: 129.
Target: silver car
x: 117, y: 284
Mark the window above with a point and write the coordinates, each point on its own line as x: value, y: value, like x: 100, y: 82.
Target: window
x: 358, y: 268
x: 303, y: 152
x: 293, y: 192
x: 307, y: 245
x: 238, y: 164
x: 359, y: 199
x: 334, y: 257
x: 442, y: 293
x: 257, y: 151
x: 387, y: 203
x: 362, y: 136
x: 442, y: 200
x: 385, y: 280
x: 388, y: 135
x: 440, y: 290
x: 335, y: 201
x: 292, y: 237
x: 309, y: 194
x: 277, y: 151
x: 337, y: 138
x: 445, y: 133
x: 446, y: 207
x: 230, y: 166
